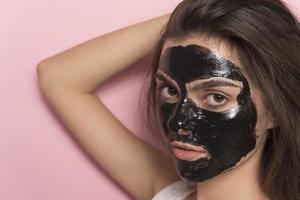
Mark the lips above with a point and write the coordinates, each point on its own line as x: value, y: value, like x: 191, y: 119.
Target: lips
x: 185, y: 151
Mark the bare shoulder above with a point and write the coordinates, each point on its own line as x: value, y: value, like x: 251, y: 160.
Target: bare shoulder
x: 166, y: 174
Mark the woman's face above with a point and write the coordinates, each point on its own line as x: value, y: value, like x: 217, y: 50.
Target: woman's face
x: 212, y: 117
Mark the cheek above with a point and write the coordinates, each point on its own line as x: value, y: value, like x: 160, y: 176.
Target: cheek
x: 164, y: 111
x: 262, y: 117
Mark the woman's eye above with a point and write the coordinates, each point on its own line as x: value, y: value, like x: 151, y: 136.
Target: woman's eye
x: 169, y: 94
x: 215, y: 99
x: 167, y: 90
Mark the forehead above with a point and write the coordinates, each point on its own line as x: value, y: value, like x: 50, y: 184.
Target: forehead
x: 220, y: 48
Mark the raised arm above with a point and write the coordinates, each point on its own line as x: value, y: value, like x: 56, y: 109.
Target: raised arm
x: 86, y: 65
x: 68, y: 81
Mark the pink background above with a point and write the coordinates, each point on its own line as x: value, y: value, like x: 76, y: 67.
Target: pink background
x: 39, y: 160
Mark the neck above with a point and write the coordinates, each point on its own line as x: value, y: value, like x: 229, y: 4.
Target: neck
x: 238, y: 183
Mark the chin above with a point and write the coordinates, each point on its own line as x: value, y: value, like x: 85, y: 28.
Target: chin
x: 203, y: 170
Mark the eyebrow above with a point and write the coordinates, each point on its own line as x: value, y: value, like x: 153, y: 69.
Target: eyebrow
x: 162, y: 76
x: 204, y: 85
x: 213, y: 83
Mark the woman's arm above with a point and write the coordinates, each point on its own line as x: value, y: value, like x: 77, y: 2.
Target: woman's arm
x: 68, y: 81
x: 85, y: 66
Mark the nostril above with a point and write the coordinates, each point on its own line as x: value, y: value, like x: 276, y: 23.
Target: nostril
x: 184, y: 132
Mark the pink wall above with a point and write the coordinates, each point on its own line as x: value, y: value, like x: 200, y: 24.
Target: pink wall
x: 38, y: 158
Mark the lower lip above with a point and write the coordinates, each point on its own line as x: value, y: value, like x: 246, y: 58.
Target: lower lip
x: 188, y: 154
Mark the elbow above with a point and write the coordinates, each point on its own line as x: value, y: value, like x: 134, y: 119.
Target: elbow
x: 44, y: 75
x: 40, y: 68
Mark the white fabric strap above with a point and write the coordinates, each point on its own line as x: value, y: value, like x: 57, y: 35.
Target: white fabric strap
x: 176, y: 191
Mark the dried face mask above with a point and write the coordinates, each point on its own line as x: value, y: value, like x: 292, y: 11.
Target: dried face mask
x: 225, y: 136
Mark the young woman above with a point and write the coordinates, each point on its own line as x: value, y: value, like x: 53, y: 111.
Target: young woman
x: 224, y: 95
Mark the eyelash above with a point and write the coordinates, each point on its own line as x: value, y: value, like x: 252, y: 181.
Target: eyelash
x: 218, y: 103
x: 167, y: 86
x: 225, y: 97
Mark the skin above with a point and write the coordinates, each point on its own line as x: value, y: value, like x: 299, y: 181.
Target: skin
x: 69, y: 80
x: 245, y: 172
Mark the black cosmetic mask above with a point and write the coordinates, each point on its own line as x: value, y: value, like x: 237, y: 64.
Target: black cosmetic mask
x: 228, y: 136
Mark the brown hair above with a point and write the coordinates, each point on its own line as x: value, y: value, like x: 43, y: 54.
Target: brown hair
x: 267, y: 37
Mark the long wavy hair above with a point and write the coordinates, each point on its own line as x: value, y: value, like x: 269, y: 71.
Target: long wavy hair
x: 266, y: 35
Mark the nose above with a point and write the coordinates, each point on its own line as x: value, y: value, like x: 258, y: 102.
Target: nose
x: 183, y: 118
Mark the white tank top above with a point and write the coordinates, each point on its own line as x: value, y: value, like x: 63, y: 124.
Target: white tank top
x: 176, y: 191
